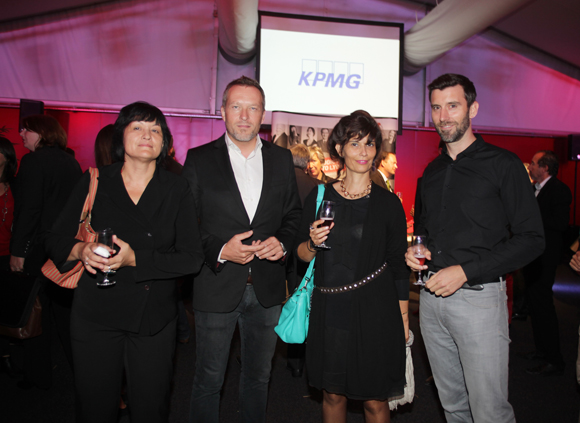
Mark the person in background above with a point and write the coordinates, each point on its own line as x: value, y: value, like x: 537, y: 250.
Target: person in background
x: 315, y: 165
x: 359, y: 319
x: 305, y: 182
x: 575, y: 264
x: 294, y: 137
x: 8, y: 166
x: 132, y: 324
x: 310, y: 140
x: 43, y: 185
x: 103, y: 146
x: 386, y: 168
x: 323, y: 141
x: 554, y: 199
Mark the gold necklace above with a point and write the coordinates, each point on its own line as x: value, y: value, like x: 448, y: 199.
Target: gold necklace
x: 346, y: 194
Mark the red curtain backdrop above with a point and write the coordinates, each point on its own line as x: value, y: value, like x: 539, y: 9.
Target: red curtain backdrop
x: 415, y: 148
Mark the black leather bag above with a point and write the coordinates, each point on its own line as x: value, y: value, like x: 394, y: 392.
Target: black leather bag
x: 18, y: 293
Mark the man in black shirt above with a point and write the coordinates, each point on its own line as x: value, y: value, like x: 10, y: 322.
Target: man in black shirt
x: 482, y: 221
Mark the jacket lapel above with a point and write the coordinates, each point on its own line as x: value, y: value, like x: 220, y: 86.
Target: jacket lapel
x: 545, y: 189
x: 268, y: 169
x: 225, y: 171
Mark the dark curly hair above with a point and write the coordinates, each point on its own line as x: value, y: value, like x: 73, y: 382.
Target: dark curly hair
x: 356, y: 126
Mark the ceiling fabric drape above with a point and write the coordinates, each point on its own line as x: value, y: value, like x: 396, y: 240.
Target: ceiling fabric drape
x: 448, y: 25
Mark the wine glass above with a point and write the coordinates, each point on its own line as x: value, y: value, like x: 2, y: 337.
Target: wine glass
x: 326, y: 213
x: 419, y: 250
x: 105, y: 237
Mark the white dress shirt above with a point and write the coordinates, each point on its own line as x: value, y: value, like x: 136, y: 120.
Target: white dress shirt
x: 540, y: 185
x: 249, y: 174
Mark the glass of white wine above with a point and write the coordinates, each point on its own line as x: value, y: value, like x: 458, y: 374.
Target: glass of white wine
x: 105, y: 237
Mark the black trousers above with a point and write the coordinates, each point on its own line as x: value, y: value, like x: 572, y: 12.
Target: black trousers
x: 56, y: 303
x: 100, y: 353
x: 539, y: 278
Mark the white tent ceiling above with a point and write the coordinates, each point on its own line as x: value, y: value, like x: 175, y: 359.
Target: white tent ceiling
x: 551, y: 26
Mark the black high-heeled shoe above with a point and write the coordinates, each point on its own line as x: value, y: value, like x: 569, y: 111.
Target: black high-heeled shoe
x: 9, y: 367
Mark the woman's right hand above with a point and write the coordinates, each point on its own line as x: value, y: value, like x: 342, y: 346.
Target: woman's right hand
x: 319, y: 234
x: 85, y: 252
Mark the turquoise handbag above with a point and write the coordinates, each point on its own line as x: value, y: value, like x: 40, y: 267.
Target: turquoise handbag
x: 293, y: 323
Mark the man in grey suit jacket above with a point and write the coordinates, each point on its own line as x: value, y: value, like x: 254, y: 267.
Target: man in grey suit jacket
x: 248, y: 209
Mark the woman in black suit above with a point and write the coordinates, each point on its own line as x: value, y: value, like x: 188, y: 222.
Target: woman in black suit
x: 132, y: 324
x: 45, y: 180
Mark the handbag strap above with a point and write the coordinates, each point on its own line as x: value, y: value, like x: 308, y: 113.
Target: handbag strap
x: 90, y: 200
x: 310, y: 271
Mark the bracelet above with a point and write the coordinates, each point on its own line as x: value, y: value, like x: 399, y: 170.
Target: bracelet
x: 402, y: 314
x: 311, y: 245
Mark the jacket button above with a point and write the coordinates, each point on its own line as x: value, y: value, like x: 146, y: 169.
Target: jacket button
x: 146, y: 287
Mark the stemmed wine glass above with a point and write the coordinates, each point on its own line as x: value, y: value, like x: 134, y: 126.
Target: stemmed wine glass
x: 326, y: 213
x: 419, y: 250
x: 105, y: 237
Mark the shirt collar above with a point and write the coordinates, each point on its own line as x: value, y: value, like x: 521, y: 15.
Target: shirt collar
x: 383, y: 175
x: 231, y: 146
x: 469, y: 151
x: 540, y: 185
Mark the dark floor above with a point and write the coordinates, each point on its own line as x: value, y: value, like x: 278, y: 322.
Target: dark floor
x: 535, y: 399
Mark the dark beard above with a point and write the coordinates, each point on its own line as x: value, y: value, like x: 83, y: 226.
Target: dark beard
x: 460, y: 131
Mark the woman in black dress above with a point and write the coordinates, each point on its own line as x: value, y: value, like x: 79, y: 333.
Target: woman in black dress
x: 132, y: 324
x: 356, y: 341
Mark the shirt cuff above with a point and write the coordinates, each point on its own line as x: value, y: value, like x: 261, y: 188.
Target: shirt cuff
x: 220, y: 260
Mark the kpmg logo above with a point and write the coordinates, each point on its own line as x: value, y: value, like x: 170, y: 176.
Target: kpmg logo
x: 325, y: 73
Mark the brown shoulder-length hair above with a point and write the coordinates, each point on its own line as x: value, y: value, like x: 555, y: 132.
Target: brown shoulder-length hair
x: 50, y: 131
x: 103, y: 145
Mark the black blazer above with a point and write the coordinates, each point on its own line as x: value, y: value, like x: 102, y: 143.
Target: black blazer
x: 161, y: 229
x: 554, y: 201
x: 306, y: 183
x: 44, y: 182
x: 221, y: 213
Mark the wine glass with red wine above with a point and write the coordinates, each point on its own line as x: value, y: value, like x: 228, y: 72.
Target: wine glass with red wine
x: 326, y: 213
x: 419, y: 250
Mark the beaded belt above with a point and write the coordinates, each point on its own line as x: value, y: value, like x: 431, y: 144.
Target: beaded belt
x: 353, y: 286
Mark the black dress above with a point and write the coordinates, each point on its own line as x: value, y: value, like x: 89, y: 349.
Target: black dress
x: 356, y: 340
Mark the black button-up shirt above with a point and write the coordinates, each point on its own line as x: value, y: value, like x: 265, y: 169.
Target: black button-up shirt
x: 479, y: 212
